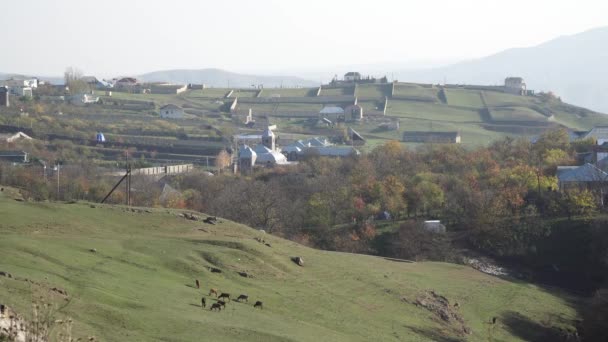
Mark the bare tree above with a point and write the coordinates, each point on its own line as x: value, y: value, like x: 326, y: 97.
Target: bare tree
x: 73, y: 80
x: 222, y: 160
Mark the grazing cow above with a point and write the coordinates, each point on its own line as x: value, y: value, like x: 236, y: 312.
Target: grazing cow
x: 216, y: 306
x: 203, y: 302
x: 198, y: 285
x: 222, y: 303
x: 213, y: 291
x: 224, y: 295
x: 243, y: 297
x: 258, y: 304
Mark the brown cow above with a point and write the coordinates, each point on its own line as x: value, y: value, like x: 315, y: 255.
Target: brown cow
x: 213, y: 291
x: 198, y: 285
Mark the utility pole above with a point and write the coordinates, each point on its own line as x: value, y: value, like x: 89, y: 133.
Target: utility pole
x: 57, y: 167
x: 128, y: 180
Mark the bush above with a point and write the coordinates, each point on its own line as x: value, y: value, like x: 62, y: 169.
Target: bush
x: 412, y: 241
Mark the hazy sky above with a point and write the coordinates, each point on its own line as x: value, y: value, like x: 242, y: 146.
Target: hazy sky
x: 112, y: 37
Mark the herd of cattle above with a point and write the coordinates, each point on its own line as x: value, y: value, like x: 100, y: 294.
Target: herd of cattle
x: 222, y: 298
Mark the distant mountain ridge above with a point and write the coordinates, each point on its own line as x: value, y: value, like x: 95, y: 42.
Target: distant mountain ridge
x: 51, y: 79
x: 574, y: 67
x: 222, y: 78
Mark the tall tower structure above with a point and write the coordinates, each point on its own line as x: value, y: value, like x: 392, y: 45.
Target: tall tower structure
x: 268, y: 139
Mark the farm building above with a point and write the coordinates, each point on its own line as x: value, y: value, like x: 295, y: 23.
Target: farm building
x: 431, y: 137
x: 171, y: 111
x: 515, y: 85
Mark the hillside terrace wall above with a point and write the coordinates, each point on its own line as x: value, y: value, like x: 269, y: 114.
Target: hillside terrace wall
x: 318, y: 99
x: 283, y: 114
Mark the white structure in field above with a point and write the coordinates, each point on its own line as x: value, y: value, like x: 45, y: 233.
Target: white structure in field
x: 171, y: 111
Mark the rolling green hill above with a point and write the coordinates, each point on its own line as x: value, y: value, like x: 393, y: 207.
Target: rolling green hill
x: 138, y: 283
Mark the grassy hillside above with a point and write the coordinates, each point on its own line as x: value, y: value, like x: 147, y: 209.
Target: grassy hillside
x: 139, y: 284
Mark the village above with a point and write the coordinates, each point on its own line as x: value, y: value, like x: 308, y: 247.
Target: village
x: 297, y: 171
x: 344, y: 110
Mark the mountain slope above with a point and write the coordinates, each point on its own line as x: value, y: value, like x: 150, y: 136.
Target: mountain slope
x: 574, y: 67
x: 221, y: 78
x: 51, y: 79
x: 138, y: 283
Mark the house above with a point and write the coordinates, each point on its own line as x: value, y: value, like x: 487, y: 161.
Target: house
x: 20, y: 87
x: 515, y: 85
x: 389, y: 126
x: 166, y: 88
x: 171, y: 111
x: 168, y: 194
x: 317, y: 146
x: 264, y: 154
x: 331, y: 110
x: 431, y: 137
x: 126, y: 83
x: 587, y: 176
x: 21, y: 91
x: 353, y: 113
x: 94, y: 83
x: 20, y: 83
x: 14, y: 156
x: 352, y: 76
x: 355, y: 137
x: 12, y: 137
x: 247, y: 157
x: 598, y: 133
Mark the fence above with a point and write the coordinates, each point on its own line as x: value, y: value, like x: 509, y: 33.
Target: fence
x: 166, y: 170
